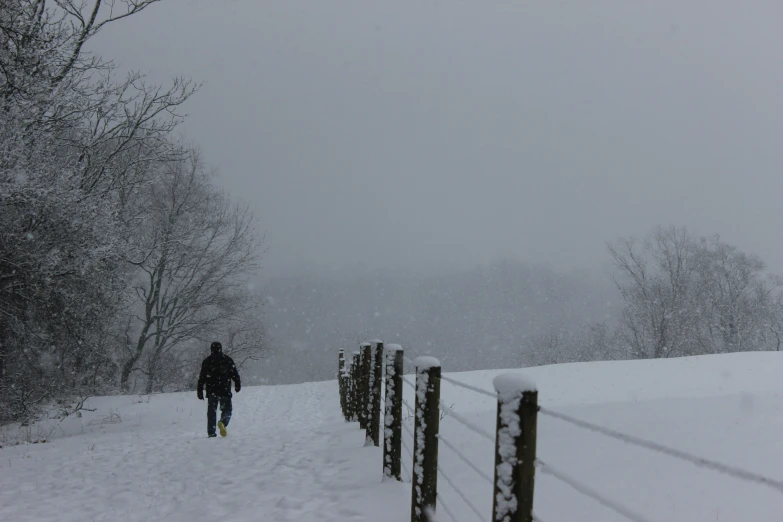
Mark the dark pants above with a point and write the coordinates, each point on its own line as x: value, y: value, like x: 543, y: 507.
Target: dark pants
x: 225, y: 412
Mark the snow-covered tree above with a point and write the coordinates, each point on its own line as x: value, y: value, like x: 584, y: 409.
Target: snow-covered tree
x: 194, y: 252
x: 657, y: 281
x: 76, y: 144
x: 735, y: 298
x: 685, y: 295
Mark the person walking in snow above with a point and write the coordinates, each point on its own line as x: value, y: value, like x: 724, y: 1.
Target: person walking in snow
x: 217, y: 372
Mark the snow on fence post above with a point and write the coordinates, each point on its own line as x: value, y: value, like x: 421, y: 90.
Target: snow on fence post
x: 392, y: 416
x: 374, y: 402
x: 354, y: 389
x: 357, y: 384
x: 364, y: 383
x: 515, y: 448
x: 359, y: 389
x: 425, y: 443
x: 347, y: 387
x: 342, y: 384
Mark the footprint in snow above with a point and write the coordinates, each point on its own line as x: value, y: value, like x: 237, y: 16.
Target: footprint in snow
x: 290, y: 503
x: 348, y: 513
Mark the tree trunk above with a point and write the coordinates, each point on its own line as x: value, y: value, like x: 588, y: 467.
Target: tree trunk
x: 3, y: 342
x: 127, y: 368
x: 150, y: 382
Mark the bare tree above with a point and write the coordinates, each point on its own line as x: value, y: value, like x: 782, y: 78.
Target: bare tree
x: 108, y: 129
x: 656, y: 282
x: 58, y: 274
x: 244, y: 334
x: 195, y: 256
x: 61, y: 29
x: 736, y: 298
x: 686, y: 296
x: 74, y: 146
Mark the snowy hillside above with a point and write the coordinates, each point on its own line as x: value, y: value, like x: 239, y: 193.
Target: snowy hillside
x: 290, y: 457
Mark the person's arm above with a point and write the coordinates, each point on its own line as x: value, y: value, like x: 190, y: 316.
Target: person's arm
x: 235, y: 376
x: 202, y: 377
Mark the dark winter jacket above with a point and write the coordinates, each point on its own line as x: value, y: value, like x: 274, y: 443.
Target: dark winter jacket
x: 217, y: 372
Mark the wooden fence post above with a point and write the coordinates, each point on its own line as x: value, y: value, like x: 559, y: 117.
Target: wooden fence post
x: 392, y: 415
x: 341, y: 382
x: 358, y: 383
x: 374, y: 402
x: 364, y: 383
x: 425, y: 443
x: 347, y: 387
x: 354, y: 387
x: 515, y: 448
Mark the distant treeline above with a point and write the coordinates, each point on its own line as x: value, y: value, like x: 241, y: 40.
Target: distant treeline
x: 669, y: 294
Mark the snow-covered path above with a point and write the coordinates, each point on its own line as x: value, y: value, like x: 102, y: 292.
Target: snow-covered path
x: 288, y: 457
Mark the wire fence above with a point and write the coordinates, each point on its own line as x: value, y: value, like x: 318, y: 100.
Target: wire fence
x: 448, y: 411
x: 545, y: 468
x: 465, y: 459
x: 407, y: 429
x: 493, y: 396
x: 725, y: 469
x: 475, y: 428
x: 590, y: 492
x: 402, y: 462
x: 604, y: 499
x: 462, y: 495
x: 446, y: 508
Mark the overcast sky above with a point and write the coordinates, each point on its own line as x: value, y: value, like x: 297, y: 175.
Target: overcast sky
x: 429, y: 133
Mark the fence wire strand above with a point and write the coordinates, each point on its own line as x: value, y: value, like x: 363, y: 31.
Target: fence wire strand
x: 402, y: 460
x: 466, y: 460
x: 407, y: 472
x: 732, y: 471
x: 445, y: 508
x: 408, y: 429
x: 590, y: 492
x: 461, y: 494
x: 405, y: 446
x: 469, y: 387
x: 410, y: 408
x: 409, y: 383
x: 467, y: 423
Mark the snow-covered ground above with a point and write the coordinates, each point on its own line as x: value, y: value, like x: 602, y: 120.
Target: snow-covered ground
x: 290, y: 457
